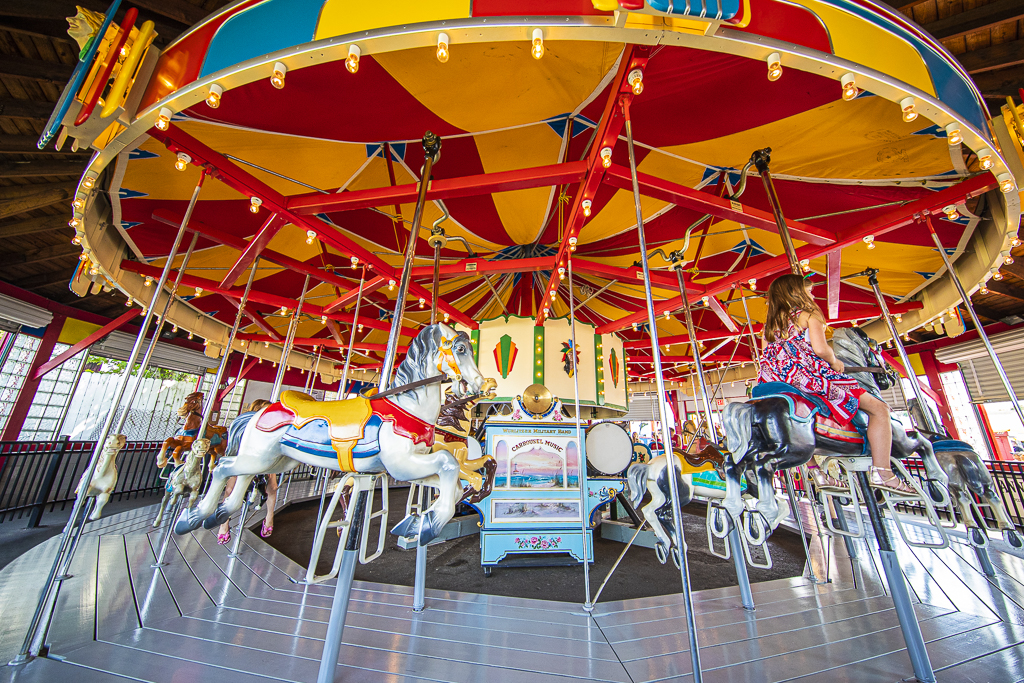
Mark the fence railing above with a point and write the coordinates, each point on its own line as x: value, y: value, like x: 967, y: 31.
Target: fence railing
x: 1007, y: 477
x: 40, y: 475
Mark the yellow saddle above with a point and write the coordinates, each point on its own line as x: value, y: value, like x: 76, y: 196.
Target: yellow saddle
x: 345, y: 419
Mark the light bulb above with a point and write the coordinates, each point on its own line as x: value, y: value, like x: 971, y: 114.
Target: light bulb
x: 805, y: 266
x: 447, y: 316
x: 74, y: 223
x: 985, y: 158
x: 163, y: 119
x: 128, y: 304
x: 354, y: 261
x: 870, y: 241
x: 83, y: 256
x: 1006, y: 183
x: 174, y: 328
x: 266, y: 345
x: 1015, y: 242
x: 423, y: 302
x: 668, y: 315
x: 606, y: 156
x: 953, y: 135
x: 899, y: 318
x: 561, y: 273
x: 442, y: 47
x: 284, y: 310
x: 908, y: 107
x: 634, y: 327
x: 906, y: 337
x: 752, y: 282
x: 76, y: 240
x: 572, y: 244
x: 310, y: 236
x: 149, y: 281
x: 849, y: 83
x: 1007, y: 259
x: 78, y: 204
x: 323, y: 320
x: 636, y: 81
x: 277, y: 77
x: 586, y: 207
x: 951, y: 212
x: 254, y: 204
x: 997, y: 275
x: 391, y: 285
x: 352, y: 61
x: 359, y: 327
x: 984, y: 289
x: 213, y: 98
x: 774, y: 66
x: 199, y: 291
x: 182, y: 162
x: 538, y: 44
x: 87, y: 182
x: 705, y: 300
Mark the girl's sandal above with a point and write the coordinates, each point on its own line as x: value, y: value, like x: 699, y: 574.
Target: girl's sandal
x: 266, y: 530
x: 892, y: 483
x: 225, y: 538
x: 825, y: 482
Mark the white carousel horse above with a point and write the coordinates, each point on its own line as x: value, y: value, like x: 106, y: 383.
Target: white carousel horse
x: 104, y: 478
x: 653, y: 477
x: 362, y: 436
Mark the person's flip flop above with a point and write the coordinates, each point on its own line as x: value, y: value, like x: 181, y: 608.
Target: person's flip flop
x: 266, y: 530
x: 224, y: 539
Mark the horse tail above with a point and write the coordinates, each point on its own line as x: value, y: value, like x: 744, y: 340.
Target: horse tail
x: 739, y: 422
x: 235, y: 432
x: 636, y: 482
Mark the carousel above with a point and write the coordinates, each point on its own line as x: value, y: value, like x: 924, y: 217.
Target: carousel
x: 484, y: 226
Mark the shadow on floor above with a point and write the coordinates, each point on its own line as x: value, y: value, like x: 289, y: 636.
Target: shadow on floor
x: 455, y: 565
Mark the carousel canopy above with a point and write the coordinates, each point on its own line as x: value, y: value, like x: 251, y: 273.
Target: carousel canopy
x: 307, y: 117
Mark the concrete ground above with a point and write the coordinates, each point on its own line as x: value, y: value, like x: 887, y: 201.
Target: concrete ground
x: 455, y: 565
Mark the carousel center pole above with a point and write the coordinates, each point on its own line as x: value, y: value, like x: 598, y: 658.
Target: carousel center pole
x: 584, y: 520
x: 872, y: 274
x: 36, y: 634
x: 343, y: 589
x: 352, y: 334
x: 684, y: 571
x: 977, y: 324
x: 761, y: 158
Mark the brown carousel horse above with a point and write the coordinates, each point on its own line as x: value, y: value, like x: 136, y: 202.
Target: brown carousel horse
x: 192, y: 413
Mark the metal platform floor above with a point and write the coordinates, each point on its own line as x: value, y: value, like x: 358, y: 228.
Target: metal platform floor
x: 208, y: 617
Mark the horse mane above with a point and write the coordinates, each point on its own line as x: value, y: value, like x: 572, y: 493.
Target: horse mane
x: 416, y: 364
x: 847, y: 341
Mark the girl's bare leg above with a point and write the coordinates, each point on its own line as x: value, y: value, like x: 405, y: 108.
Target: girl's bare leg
x: 879, y: 430
x: 225, y: 528
x: 268, y: 522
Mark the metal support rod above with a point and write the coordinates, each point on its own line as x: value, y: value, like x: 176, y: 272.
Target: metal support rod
x: 65, y: 572
x: 148, y: 355
x: 167, y: 535
x: 584, y: 518
x: 897, y: 588
x: 753, y: 337
x: 977, y: 324
x: 437, y: 283
x: 746, y: 597
x: 684, y: 571
x: 677, y: 265
x: 419, y: 586
x: 312, y: 371
x: 840, y: 520
x: 791, y: 492
x: 872, y: 274
x: 241, y: 527
x: 431, y: 150
x: 293, y: 325
x: 342, y: 592
x: 984, y: 560
x: 352, y: 335
x: 27, y: 651
x: 761, y: 158
x: 639, y: 528
x: 74, y: 387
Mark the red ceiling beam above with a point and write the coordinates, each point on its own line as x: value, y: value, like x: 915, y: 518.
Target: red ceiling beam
x: 255, y: 317
x: 234, y: 382
x: 232, y: 175
x: 702, y: 335
x: 94, y: 337
x: 253, y: 249
x: 891, y: 220
x: 713, y: 358
x: 229, y: 240
x: 719, y: 207
x: 665, y: 280
x: 931, y: 393
x: 482, y: 266
x: 467, y: 186
x: 350, y: 296
x: 606, y: 135
x: 326, y: 343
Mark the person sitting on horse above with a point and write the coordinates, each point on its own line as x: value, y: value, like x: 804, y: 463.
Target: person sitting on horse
x: 795, y: 352
x: 224, y: 532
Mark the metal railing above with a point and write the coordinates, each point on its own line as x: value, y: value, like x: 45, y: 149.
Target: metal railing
x: 36, y: 475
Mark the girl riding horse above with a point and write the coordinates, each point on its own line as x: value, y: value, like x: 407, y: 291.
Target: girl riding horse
x: 795, y: 352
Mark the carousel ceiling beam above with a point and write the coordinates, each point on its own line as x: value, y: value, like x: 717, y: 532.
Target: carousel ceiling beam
x: 40, y: 167
x: 255, y: 317
x: 229, y: 240
x: 335, y: 331
x: 606, y: 134
x: 986, y: 16
x: 179, y: 10
x: 662, y: 279
x: 993, y: 57
x: 719, y: 207
x: 26, y: 109
x: 702, y: 335
x: 350, y: 296
x: 51, y: 253
x: 891, y: 220
x: 989, y: 314
x: 1015, y: 269
x: 26, y: 144
x: 1000, y: 84
x: 57, y: 73
x: 480, y: 266
x: 447, y: 188
x: 15, y: 199
x: 89, y: 340
x: 712, y: 358
x: 235, y: 177
x: 33, y: 226
x: 253, y: 249
x: 321, y: 341
x: 1006, y: 289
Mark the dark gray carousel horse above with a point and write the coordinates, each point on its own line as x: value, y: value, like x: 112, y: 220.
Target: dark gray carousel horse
x: 764, y: 436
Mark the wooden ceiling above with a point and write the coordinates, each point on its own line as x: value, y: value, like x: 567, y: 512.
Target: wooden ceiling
x: 37, y: 57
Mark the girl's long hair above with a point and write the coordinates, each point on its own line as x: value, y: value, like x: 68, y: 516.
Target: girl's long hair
x: 785, y: 296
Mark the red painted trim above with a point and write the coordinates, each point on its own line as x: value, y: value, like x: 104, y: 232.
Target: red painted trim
x: 719, y: 207
x: 931, y: 370
x: 702, y: 335
x: 351, y: 295
x: 887, y: 222
x: 234, y: 382
x: 27, y: 394
x: 986, y: 427
x: 117, y: 323
x: 253, y: 249
x: 449, y: 188
x: 931, y: 393
x: 713, y: 358
x: 321, y: 341
x: 255, y: 317
x: 970, y: 335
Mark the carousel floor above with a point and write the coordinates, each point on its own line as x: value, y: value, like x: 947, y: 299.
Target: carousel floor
x: 207, y: 617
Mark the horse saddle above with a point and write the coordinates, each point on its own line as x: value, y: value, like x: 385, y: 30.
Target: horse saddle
x: 804, y: 406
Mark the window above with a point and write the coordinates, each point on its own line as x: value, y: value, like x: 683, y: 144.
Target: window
x: 52, y: 397
x: 15, y: 370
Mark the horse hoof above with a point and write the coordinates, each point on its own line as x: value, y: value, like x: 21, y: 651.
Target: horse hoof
x: 675, y: 559
x: 188, y: 521
x: 938, y: 493
x: 407, y: 528
x: 978, y: 537
x: 755, y: 528
x: 661, y: 552
x: 1013, y: 539
x: 217, y: 518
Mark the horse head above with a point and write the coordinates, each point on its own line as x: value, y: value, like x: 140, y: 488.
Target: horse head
x: 855, y: 348
x: 439, y: 348
x: 193, y: 404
